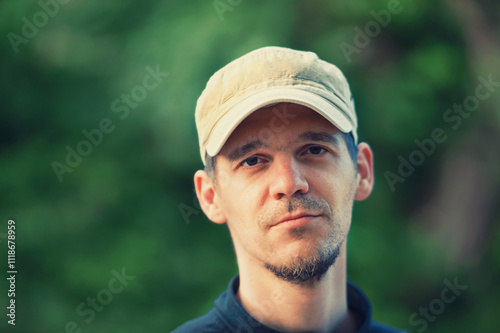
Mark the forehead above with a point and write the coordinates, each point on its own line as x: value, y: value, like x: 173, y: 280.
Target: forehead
x: 278, y: 125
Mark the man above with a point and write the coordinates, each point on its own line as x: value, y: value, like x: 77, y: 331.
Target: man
x: 277, y: 132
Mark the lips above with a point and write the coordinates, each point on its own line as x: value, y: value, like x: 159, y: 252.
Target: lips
x: 295, y: 217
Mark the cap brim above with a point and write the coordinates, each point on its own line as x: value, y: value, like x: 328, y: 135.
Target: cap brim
x: 331, y: 110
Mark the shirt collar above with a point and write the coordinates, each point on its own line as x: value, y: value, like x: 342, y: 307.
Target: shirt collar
x: 237, y: 318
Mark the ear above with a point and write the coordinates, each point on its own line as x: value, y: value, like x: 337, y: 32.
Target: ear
x: 205, y: 191
x: 365, y: 177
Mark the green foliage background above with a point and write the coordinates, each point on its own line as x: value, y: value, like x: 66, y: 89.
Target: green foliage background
x: 121, y: 207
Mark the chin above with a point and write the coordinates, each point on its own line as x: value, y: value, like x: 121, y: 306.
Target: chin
x: 304, y: 240
x: 306, y: 263
x: 299, y: 251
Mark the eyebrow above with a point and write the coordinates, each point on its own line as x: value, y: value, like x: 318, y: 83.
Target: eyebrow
x: 319, y: 136
x: 247, y: 148
x: 239, y: 152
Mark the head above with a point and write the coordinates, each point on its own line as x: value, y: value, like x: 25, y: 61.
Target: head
x: 284, y: 175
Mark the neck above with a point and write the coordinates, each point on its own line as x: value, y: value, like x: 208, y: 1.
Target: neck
x: 311, y: 306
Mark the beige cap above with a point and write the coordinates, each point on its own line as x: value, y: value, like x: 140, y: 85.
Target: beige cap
x: 268, y: 76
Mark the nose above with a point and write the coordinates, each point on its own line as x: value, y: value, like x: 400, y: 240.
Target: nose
x: 287, y: 178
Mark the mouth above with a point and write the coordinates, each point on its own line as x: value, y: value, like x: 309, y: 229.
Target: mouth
x: 296, y: 220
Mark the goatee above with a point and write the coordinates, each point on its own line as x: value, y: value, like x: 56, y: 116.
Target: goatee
x: 307, y: 269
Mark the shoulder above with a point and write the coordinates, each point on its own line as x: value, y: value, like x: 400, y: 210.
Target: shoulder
x: 219, y: 318
x: 210, y: 322
x: 377, y: 327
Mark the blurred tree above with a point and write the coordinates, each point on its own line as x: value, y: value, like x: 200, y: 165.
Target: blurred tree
x: 119, y: 207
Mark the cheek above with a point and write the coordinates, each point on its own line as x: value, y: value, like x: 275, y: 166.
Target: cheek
x: 239, y: 202
x: 336, y: 185
x: 326, y: 180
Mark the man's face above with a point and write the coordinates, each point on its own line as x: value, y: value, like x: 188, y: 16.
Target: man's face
x: 286, y: 191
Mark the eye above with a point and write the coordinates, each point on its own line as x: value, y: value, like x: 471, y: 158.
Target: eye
x: 315, y: 150
x: 251, y: 161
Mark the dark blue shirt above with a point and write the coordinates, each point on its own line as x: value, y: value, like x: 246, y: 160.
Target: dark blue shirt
x: 228, y: 316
